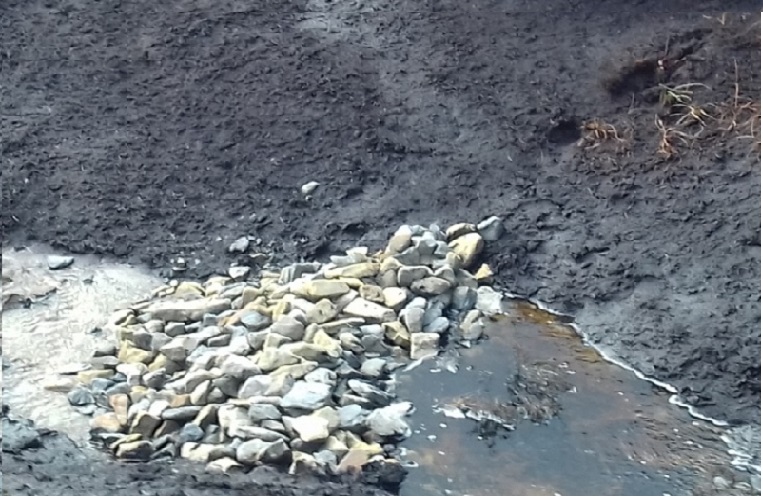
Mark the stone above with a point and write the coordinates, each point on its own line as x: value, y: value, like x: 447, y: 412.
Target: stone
x: 237, y: 345
x: 184, y: 413
x: 190, y: 433
x: 331, y: 346
x: 198, y: 452
x: 360, y: 270
x: 56, y: 262
x: 352, y: 417
x: 238, y: 272
x: 120, y: 403
x: 217, y: 396
x: 464, y: 298
x: 104, y: 349
x: 370, y: 311
x: 459, y: 230
x: 253, y: 320
x: 413, y: 319
x: 261, y: 412
x: 491, y: 228
x: 187, y: 311
x: 239, y: 246
x: 80, y: 397
x: 310, y: 428
x: 306, y: 351
x: 86, y: 377
x: 238, y: 367
x: 388, y: 421
x: 484, y: 274
x: 302, y: 462
x: 179, y: 347
x: 144, y: 424
x: 255, y: 385
x: 370, y: 392
x: 323, y: 311
x: 407, y: 275
x: 489, y: 301
x: 467, y: 247
x: 280, y: 385
x: 472, y: 325
x: 353, y: 461
x: 319, y: 289
x: 140, y: 450
x: 372, y: 293
x: 417, y: 303
x: 228, y: 385
x: 289, y: 327
x: 335, y: 445
x: 274, y: 340
x: 254, y: 451
x: 322, y: 375
x: 397, y: 333
x: 257, y: 339
x: 294, y: 271
x: 271, y: 359
x: 206, y: 416
x: 199, y: 394
x: 374, y: 367
x: 438, y: 325
x: 350, y: 342
x: 224, y: 466
x: 399, y: 241
x: 424, y: 345
x: 295, y: 371
x: 309, y: 188
x: 174, y: 329
x: 246, y: 431
x: 307, y: 395
x: 430, y: 286
x: 107, y: 422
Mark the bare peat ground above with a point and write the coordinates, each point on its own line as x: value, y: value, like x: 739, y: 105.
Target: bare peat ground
x: 620, y: 142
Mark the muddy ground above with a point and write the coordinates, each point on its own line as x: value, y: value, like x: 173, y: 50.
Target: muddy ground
x: 151, y: 131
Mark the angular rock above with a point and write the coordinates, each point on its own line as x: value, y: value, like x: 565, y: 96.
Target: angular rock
x: 467, y: 247
x: 323, y: 311
x: 310, y: 428
x: 186, y: 311
x: 255, y: 385
x: 289, y: 327
x: 174, y: 329
x: 464, y: 298
x: 253, y: 320
x: 198, y: 452
x: 438, y: 325
x: 472, y: 325
x: 397, y: 333
x: 80, y: 397
x: 459, y: 230
x: 430, y: 286
x: 274, y: 340
x: 307, y: 395
x: 295, y: 371
x: 424, y: 344
x: 370, y: 392
x: 374, y: 367
x: 319, y: 289
x: 407, y: 275
x: 413, y: 319
x: 370, y: 311
x: 489, y: 301
x: 491, y: 228
x: 395, y: 297
x: 107, y: 422
x: 254, y: 451
x: 239, y: 246
x: 238, y: 367
x: 190, y: 433
x: 322, y: 375
x: 224, y: 466
x: 184, y: 413
x: 140, y: 450
x: 388, y: 421
x: 56, y: 262
x: 271, y: 359
x: 144, y: 424
x: 261, y: 412
x: 352, y: 417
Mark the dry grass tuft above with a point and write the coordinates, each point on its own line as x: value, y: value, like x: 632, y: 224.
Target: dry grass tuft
x: 596, y: 132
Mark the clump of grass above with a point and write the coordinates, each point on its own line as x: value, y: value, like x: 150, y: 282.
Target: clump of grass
x: 740, y: 115
x: 671, y: 96
x: 671, y: 139
x: 596, y: 132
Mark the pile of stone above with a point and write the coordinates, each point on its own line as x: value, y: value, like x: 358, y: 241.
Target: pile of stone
x: 293, y: 367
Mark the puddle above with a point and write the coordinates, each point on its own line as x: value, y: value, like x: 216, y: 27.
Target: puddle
x: 555, y: 417
x: 581, y: 425
x: 56, y: 332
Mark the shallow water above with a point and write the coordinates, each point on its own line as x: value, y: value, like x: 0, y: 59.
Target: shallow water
x: 594, y: 429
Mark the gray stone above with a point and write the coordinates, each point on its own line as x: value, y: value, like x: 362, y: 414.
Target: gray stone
x: 254, y: 451
x: 142, y: 340
x: 322, y: 375
x: 388, y: 421
x: 217, y: 396
x: 439, y: 325
x: 104, y: 362
x: 159, y: 340
x: 247, y: 431
x: 274, y: 341
x: 239, y: 246
x: 229, y: 415
x: 307, y: 395
x: 370, y: 392
x: 219, y: 341
x: 140, y: 450
x: 190, y: 433
x: 199, y: 394
x: 352, y: 417
x: 370, y: 311
x: 289, y: 327
x: 228, y: 385
x: 491, y: 228
x: 406, y: 275
x: 464, y: 298
x: 326, y: 457
x: 424, y: 344
x: 488, y: 301
x: 239, y: 367
x: 254, y: 321
x: 261, y: 412
x: 257, y: 339
x: 412, y: 319
x: 174, y: 329
x: 104, y: 348
x: 271, y: 359
x: 255, y: 385
x: 373, y: 367
x: 60, y: 261
x: 430, y: 286
x: 472, y: 325
x: 179, y: 347
x: 417, y: 303
x: 224, y: 466
x: 238, y: 345
x: 155, y: 379
x: 184, y: 413
x: 80, y: 397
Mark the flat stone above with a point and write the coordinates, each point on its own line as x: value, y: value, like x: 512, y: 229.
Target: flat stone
x: 353, y: 461
x: 399, y: 241
x: 360, y: 270
x: 424, y: 344
x: 323, y: 311
x: 184, y: 413
x: 307, y: 351
x: 295, y: 371
x: 491, y: 228
x: 489, y: 301
x: 253, y: 320
x: 255, y: 385
x: 207, y: 416
x: 199, y: 394
x: 185, y: 311
x: 274, y: 340
x: 349, y: 341
x: 372, y: 293
x: 174, y: 329
x: 86, y: 377
x: 107, y: 422
x: 246, y: 432
x: 319, y: 289
x: 459, y: 230
x: 253, y: 451
x: 307, y: 395
x: 438, y: 325
x: 374, y: 367
x: 430, y: 286
x: 59, y: 384
x: 197, y: 452
x: 56, y: 262
x: 370, y: 311
x: 467, y: 247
